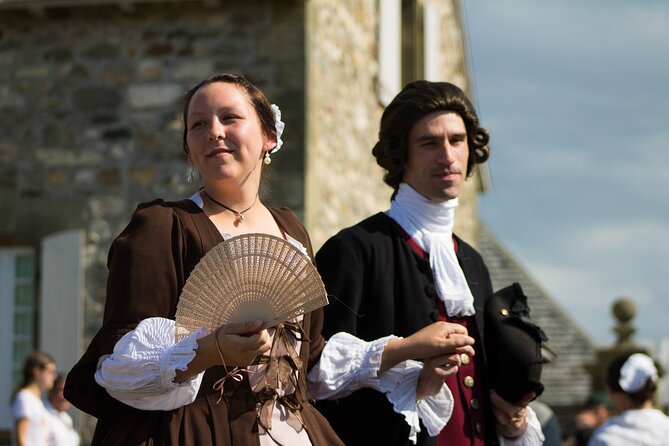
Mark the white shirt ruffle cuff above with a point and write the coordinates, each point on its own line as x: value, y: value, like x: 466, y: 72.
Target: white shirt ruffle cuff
x: 434, y: 411
x: 141, y: 370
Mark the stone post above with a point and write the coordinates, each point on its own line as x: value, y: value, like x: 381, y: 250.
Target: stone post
x: 624, y: 312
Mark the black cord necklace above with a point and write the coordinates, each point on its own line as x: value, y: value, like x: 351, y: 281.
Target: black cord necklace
x: 239, y: 214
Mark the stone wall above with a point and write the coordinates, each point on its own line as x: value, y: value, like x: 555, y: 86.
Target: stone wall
x: 344, y: 183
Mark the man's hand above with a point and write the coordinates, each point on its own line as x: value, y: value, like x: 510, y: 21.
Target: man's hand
x: 434, y: 372
x: 510, y: 419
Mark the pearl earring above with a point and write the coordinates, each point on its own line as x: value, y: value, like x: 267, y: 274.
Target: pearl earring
x: 191, y: 174
x: 267, y: 159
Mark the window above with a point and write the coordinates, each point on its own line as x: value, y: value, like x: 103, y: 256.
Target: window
x: 24, y: 310
x: 18, y: 319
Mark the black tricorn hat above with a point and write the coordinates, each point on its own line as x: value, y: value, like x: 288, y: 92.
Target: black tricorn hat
x: 513, y: 345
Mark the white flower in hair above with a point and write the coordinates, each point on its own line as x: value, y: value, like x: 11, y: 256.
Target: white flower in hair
x: 280, y: 125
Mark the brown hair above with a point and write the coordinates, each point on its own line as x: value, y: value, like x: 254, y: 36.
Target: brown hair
x: 257, y: 98
x: 36, y: 359
x: 416, y: 100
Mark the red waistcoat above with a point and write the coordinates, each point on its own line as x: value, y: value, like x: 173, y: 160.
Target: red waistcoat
x: 467, y: 424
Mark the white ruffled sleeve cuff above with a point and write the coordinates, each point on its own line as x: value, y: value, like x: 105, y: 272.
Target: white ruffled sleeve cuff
x: 533, y: 435
x: 141, y: 370
x: 347, y: 364
x: 434, y: 411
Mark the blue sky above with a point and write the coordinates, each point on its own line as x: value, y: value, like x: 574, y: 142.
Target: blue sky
x: 575, y: 95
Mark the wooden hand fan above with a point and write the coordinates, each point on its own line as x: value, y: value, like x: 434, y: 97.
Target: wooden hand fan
x: 246, y: 278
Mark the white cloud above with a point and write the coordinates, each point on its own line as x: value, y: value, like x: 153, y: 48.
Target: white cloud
x: 625, y: 238
x: 588, y: 296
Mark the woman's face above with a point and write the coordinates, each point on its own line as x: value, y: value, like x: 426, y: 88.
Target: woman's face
x: 223, y: 134
x: 46, y: 376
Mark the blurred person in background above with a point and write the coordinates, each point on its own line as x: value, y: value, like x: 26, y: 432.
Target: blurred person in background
x: 594, y: 413
x: 31, y: 419
x: 632, y: 383
x: 61, y: 427
x: 550, y: 426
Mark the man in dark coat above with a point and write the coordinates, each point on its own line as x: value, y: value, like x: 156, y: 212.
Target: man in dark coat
x: 399, y: 271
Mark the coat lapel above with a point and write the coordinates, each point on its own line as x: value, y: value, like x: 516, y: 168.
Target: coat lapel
x: 469, y: 268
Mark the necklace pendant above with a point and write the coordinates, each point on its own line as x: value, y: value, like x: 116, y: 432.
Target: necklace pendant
x: 240, y: 215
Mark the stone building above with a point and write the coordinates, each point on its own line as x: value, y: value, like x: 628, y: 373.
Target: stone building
x: 90, y: 106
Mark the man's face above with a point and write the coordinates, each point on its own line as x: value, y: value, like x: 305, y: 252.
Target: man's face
x: 438, y: 155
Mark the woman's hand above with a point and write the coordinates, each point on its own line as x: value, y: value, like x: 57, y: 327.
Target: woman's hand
x: 510, y: 419
x: 434, y: 372
x: 437, y: 339
x: 239, y: 344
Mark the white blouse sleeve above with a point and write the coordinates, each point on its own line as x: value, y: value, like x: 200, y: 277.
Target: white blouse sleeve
x: 348, y: 363
x: 533, y: 436
x: 140, y: 372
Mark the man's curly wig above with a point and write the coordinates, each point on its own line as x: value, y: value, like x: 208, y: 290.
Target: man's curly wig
x: 416, y: 100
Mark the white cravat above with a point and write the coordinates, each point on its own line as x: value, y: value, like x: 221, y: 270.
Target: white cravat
x: 430, y: 224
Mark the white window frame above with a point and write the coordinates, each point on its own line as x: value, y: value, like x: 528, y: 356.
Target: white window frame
x: 432, y: 37
x: 390, y: 50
